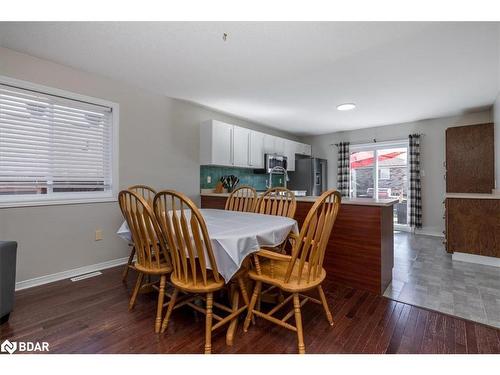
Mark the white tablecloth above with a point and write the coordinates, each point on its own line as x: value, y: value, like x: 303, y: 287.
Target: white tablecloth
x: 234, y: 235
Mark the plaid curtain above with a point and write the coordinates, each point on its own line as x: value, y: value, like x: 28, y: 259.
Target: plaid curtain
x: 415, y: 185
x: 343, y: 169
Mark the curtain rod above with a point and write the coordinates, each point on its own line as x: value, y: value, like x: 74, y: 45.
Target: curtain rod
x: 374, y: 140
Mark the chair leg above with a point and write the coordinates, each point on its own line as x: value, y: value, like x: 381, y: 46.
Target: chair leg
x: 127, y: 266
x: 325, y: 305
x: 136, y: 290
x: 170, y: 307
x: 298, y: 324
x: 255, y: 295
x: 208, y: 324
x: 161, y: 297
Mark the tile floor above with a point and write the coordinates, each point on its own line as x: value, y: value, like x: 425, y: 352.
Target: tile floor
x: 424, y: 275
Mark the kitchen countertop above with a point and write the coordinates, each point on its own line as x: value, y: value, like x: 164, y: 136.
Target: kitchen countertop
x: 353, y: 201
x: 472, y: 195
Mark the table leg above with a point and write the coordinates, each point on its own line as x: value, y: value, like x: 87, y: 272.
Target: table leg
x: 235, y: 297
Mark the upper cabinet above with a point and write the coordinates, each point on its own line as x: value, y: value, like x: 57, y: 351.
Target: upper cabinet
x: 229, y: 145
x: 257, y: 149
x: 216, y: 143
x: 279, y: 145
x: 304, y: 149
x: 241, y: 147
x: 269, y: 147
x: 470, y: 159
x: 291, y: 148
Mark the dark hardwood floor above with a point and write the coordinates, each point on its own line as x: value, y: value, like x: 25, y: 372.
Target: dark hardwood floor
x: 91, y: 316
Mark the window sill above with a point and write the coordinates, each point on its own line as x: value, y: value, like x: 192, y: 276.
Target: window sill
x: 56, y: 202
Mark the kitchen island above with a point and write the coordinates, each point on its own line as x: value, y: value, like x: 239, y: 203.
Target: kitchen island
x: 360, y: 251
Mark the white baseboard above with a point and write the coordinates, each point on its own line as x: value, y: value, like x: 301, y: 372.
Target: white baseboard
x: 69, y: 273
x: 402, y: 228
x: 430, y: 231
x: 478, y: 259
x: 425, y: 231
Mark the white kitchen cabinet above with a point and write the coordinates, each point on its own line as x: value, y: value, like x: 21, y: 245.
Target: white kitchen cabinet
x: 291, y: 148
x: 269, y: 144
x: 257, y: 149
x: 241, y: 147
x: 216, y: 143
x: 303, y: 149
x: 229, y: 145
x: 279, y: 145
x: 307, y: 149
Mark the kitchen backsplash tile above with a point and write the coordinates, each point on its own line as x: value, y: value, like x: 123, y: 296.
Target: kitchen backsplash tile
x: 246, y: 176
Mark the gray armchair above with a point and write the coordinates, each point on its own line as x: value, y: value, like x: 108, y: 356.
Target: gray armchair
x: 8, y: 252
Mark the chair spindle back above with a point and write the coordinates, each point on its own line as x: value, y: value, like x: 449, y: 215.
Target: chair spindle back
x: 144, y: 191
x: 242, y: 199
x: 187, y: 237
x: 278, y: 202
x: 150, y: 248
x: 314, y: 235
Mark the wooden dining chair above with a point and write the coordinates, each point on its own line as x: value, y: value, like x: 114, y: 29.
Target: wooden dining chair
x: 148, y: 193
x: 299, y: 272
x: 277, y: 201
x: 195, y: 271
x: 150, y: 247
x: 242, y: 199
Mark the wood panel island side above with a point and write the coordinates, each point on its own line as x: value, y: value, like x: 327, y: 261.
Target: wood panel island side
x: 360, y: 251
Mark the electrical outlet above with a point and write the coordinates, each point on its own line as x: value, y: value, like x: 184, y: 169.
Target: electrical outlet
x: 281, y: 180
x: 98, y: 234
x: 209, y: 179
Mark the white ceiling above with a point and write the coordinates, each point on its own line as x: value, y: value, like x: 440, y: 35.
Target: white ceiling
x: 287, y: 75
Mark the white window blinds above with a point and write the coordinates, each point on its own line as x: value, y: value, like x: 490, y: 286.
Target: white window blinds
x: 50, y: 145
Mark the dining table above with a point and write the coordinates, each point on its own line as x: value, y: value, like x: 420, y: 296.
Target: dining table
x: 235, y: 235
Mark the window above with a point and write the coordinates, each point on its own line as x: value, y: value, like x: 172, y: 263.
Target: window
x: 380, y: 170
x: 55, y: 147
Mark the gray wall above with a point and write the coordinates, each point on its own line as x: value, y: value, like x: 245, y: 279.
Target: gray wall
x: 432, y: 156
x: 496, y: 110
x: 159, y: 146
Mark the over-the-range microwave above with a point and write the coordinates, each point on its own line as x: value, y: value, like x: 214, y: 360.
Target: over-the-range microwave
x: 274, y: 160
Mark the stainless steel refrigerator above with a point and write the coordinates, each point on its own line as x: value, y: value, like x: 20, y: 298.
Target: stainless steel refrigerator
x: 310, y: 175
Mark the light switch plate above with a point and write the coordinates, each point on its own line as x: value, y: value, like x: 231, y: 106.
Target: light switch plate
x: 209, y: 179
x: 98, y: 234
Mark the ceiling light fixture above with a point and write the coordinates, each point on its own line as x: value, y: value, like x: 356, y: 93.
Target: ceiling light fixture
x: 346, y: 107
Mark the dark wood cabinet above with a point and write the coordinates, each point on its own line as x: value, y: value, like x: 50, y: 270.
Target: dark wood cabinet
x: 473, y: 226
x: 470, y: 155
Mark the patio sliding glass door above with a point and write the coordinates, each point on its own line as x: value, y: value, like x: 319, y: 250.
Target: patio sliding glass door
x: 381, y: 170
